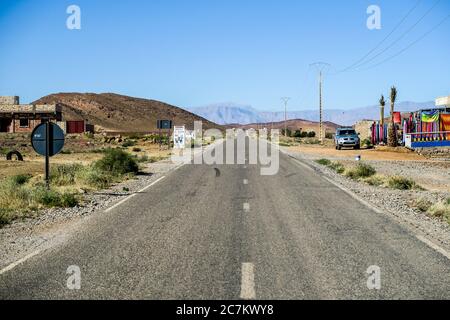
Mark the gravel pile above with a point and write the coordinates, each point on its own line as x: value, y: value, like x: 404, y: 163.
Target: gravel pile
x: 397, y: 203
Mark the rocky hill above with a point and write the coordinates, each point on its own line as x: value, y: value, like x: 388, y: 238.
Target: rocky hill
x: 118, y: 113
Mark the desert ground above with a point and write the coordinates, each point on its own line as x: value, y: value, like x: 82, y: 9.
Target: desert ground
x: 432, y: 174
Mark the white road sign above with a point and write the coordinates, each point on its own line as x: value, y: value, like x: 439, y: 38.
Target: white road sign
x: 179, y: 137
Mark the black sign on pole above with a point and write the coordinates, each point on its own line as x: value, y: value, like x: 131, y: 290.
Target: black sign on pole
x: 47, y: 140
x: 164, y: 124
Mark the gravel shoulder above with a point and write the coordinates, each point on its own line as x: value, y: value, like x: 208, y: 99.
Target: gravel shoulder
x: 398, y: 203
x: 51, y: 226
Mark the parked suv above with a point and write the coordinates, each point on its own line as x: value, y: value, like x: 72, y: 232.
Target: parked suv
x: 347, y: 138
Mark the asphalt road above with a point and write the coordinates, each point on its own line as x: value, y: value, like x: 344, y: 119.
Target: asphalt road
x: 226, y: 232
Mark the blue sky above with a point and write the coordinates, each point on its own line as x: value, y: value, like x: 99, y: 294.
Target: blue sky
x: 198, y: 52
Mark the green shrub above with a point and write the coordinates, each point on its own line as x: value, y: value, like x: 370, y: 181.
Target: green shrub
x: 362, y: 170
x: 20, y: 179
x: 5, y: 216
x: 324, y: 162
x: 143, y: 159
x: 375, y: 180
x: 117, y: 162
x: 401, y: 183
x: 338, y: 167
x: 422, y: 204
x: 89, y: 135
x: 52, y: 198
x: 137, y: 149
x: 95, y: 178
x: 367, y: 143
x: 129, y: 143
x: 441, y: 210
x: 64, y: 175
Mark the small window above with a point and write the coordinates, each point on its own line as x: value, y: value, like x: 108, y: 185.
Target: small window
x: 24, y: 123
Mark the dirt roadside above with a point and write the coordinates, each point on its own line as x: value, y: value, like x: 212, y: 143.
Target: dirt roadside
x: 433, y: 175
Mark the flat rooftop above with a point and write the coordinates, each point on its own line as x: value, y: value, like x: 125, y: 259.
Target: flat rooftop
x: 30, y: 108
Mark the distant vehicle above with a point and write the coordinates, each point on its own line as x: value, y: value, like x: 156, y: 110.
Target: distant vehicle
x: 347, y: 138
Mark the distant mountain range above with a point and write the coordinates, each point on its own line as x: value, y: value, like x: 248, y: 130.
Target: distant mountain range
x: 231, y: 113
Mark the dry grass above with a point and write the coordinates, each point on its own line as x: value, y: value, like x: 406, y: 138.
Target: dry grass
x: 441, y: 210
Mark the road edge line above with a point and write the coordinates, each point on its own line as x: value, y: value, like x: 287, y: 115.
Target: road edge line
x: 133, y: 195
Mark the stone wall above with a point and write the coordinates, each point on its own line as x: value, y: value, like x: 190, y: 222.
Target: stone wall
x: 364, y: 128
x: 9, y: 100
x: 29, y: 108
x: 32, y: 123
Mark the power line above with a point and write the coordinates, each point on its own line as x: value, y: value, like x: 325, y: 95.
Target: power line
x: 401, y: 37
x: 385, y: 38
x: 411, y: 44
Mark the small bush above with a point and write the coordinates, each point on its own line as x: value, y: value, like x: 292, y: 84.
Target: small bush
x: 324, y: 162
x: 137, y: 149
x: 95, y: 178
x: 441, y: 210
x: 129, y: 143
x: 143, y: 159
x: 338, y: 167
x: 376, y: 181
x: 328, y: 135
x: 117, y: 162
x: 64, y: 175
x: 367, y: 143
x: 422, y: 204
x: 401, y: 183
x: 52, y: 198
x: 5, y: 216
x: 20, y: 179
x: 362, y: 170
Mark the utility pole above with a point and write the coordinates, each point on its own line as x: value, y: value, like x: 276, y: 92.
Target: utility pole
x: 321, y: 107
x: 321, y: 66
x: 286, y: 101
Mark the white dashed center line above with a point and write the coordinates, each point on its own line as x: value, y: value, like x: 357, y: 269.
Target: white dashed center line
x: 245, y: 181
x: 248, y: 282
x: 247, y: 207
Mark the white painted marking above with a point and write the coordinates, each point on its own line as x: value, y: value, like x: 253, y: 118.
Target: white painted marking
x: 133, y: 195
x: 248, y: 282
x: 18, y: 262
x: 433, y: 246
x: 245, y: 181
x: 247, y: 207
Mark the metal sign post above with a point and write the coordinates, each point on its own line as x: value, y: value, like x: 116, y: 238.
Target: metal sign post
x: 47, y: 154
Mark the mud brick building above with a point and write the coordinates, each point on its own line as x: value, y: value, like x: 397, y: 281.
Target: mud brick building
x: 20, y: 118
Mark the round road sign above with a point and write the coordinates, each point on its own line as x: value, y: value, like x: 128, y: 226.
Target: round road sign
x: 39, y: 139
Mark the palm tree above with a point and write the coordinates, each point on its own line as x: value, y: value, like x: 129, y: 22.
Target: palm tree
x: 392, y: 139
x: 382, y: 105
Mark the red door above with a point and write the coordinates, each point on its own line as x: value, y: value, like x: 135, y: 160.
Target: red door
x: 74, y: 127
